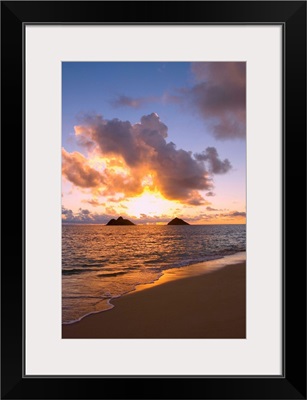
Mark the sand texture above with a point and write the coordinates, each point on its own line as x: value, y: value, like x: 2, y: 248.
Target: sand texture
x: 212, y: 305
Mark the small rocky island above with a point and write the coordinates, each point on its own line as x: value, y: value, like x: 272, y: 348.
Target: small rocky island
x: 120, y: 221
x: 177, y: 221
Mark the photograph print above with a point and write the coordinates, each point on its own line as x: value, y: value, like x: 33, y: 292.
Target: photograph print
x: 154, y: 200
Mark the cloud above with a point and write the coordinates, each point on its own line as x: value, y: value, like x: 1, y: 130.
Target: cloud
x: 234, y: 214
x: 218, y: 95
x: 94, y: 202
x: 127, y: 101
x: 210, y: 194
x: 138, y: 155
x: 216, y: 166
x: 67, y: 214
x: 212, y: 209
x: 238, y: 214
x: 145, y: 151
x: 75, y: 168
x: 84, y: 216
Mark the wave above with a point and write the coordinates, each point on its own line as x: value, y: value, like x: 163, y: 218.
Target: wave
x: 76, y: 271
x: 110, y: 306
x: 112, y: 274
x: 108, y: 297
x: 72, y: 271
x: 156, y: 265
x: 118, y: 263
x: 104, y: 297
x: 100, y: 264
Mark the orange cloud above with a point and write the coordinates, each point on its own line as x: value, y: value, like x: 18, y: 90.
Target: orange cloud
x: 75, y: 168
x: 129, y: 159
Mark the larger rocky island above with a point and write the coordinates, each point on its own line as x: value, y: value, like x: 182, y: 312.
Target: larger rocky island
x: 177, y: 221
x: 120, y: 221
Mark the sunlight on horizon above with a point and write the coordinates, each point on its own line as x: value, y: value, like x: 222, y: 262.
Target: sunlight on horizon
x: 151, y: 204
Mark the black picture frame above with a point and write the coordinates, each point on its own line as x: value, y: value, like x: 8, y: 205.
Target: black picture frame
x: 292, y: 16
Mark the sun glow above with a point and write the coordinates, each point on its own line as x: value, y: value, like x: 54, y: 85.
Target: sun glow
x: 150, y: 204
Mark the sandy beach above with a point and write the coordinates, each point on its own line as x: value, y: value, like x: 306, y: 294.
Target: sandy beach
x: 211, y: 305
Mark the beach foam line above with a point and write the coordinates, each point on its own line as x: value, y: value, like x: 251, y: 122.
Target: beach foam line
x: 107, y: 302
x: 90, y: 313
x: 199, y: 268
x: 215, y: 309
x: 172, y: 274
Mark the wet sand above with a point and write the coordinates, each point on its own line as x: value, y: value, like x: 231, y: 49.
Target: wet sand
x: 211, y: 305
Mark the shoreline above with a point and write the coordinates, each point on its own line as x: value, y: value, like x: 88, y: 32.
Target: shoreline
x: 205, y: 300
x: 170, y: 274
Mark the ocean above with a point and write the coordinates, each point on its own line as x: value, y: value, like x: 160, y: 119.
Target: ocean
x: 102, y: 262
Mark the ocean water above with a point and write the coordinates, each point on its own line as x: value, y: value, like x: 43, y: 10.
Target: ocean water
x: 102, y: 262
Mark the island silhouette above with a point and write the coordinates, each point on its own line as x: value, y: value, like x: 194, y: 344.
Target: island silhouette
x: 177, y: 221
x: 120, y: 221
x: 123, y: 221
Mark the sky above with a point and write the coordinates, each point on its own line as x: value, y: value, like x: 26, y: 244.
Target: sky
x: 151, y: 141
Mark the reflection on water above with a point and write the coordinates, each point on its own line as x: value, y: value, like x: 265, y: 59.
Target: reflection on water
x: 100, y: 262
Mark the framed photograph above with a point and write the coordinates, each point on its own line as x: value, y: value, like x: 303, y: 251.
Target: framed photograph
x: 162, y: 148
